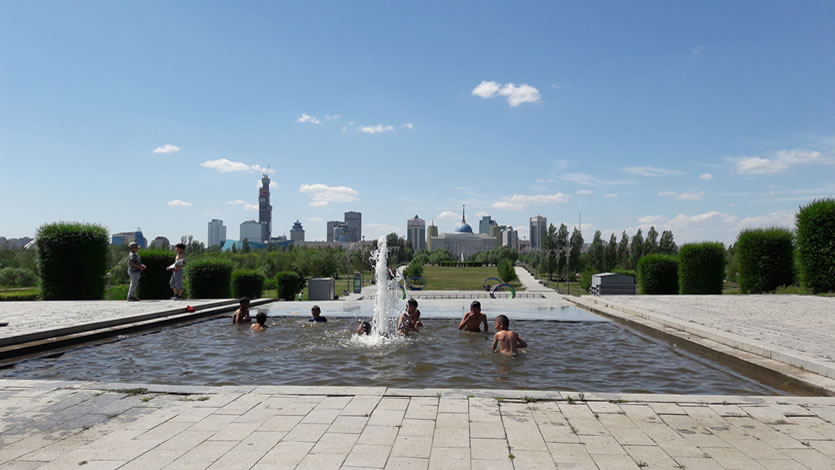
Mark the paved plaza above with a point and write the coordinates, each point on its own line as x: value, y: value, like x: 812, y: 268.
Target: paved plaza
x: 64, y: 425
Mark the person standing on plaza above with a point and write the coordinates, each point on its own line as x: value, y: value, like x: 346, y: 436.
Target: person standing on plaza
x: 135, y: 268
x: 176, y: 282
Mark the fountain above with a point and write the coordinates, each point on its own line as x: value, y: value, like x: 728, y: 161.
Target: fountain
x: 386, y: 303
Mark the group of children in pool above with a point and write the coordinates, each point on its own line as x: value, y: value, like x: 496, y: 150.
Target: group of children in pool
x: 505, y: 340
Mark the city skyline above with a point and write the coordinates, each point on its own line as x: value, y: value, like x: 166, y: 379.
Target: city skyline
x: 700, y: 119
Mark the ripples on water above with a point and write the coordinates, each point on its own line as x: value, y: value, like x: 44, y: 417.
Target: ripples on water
x: 600, y: 356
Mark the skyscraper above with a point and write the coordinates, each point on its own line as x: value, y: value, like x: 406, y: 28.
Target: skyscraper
x: 340, y: 227
x: 485, y: 223
x: 297, y: 232
x: 251, y: 231
x: 354, y: 222
x: 539, y: 227
x: 265, y: 210
x: 217, y: 232
x: 416, y: 233
x: 431, y: 232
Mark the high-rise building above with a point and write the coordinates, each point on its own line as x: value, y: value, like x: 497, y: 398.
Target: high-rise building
x: 431, y: 232
x: 539, y: 228
x: 297, y: 232
x: 416, y: 233
x: 333, y: 225
x: 341, y: 233
x: 123, y: 238
x: 510, y: 238
x: 161, y: 243
x: 354, y: 222
x: 265, y: 210
x: 251, y: 231
x: 485, y: 223
x: 217, y: 233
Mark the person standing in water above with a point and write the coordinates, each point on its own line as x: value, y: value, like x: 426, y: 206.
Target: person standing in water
x: 409, y: 320
x: 473, y: 319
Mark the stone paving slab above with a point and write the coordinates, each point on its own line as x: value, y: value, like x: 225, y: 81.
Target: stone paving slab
x: 795, y: 330
x: 71, y: 425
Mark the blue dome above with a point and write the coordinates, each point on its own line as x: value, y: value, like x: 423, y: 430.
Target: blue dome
x: 463, y: 227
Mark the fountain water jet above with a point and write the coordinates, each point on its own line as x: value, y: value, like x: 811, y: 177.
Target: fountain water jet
x: 387, y: 300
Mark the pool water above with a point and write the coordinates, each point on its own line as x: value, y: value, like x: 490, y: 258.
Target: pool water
x: 591, y: 356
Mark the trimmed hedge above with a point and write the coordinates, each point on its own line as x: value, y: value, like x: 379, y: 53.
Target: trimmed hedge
x: 701, y: 268
x: 816, y: 244
x: 72, y: 260
x: 20, y: 295
x: 658, y: 274
x: 153, y: 282
x: 209, y: 279
x: 765, y: 259
x: 506, y: 271
x: 289, y: 284
x: 247, y: 283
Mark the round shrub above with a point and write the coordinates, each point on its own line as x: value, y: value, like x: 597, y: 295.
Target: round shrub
x: 17, y: 277
x: 72, y: 260
x: 289, y: 284
x: 506, y: 271
x: 816, y: 244
x: 658, y: 274
x: 209, y: 279
x: 153, y: 282
x: 701, y: 268
x: 765, y: 259
x: 247, y: 283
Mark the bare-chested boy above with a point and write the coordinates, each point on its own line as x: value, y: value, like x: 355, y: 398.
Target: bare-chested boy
x: 242, y: 314
x: 473, y: 319
x: 260, y: 322
x: 410, y: 319
x: 506, y: 341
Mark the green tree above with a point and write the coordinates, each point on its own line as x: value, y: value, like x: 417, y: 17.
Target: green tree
x: 611, y: 253
x: 637, y: 249
x: 549, y: 247
x: 623, y: 251
x: 245, y: 246
x: 816, y: 244
x: 651, y: 243
x: 667, y: 245
x: 562, y: 248
x: 598, y: 252
x: 575, y: 261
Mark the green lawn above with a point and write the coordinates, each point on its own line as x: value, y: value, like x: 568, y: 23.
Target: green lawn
x: 452, y: 278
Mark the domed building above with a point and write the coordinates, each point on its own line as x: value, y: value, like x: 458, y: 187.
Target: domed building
x: 463, y: 243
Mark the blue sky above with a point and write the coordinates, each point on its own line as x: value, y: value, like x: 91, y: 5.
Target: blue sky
x: 703, y: 117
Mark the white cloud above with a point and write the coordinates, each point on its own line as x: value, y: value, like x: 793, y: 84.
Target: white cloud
x: 651, y: 219
x: 308, y: 118
x: 518, y: 202
x: 378, y: 129
x: 514, y: 94
x: 782, y: 161
x: 314, y: 219
x: 698, y: 50
x: 331, y: 117
x: 408, y: 125
x: 706, y: 176
x: 685, y: 196
x: 245, y: 205
x: 782, y: 218
x: 584, y: 192
x: 586, y: 179
x: 610, y: 195
x: 447, y: 215
x: 322, y: 194
x: 179, y: 203
x: 225, y: 165
x: 651, y: 171
x: 167, y: 148
x: 481, y: 214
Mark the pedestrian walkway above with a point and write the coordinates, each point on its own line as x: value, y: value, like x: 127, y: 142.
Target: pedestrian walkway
x: 65, y: 425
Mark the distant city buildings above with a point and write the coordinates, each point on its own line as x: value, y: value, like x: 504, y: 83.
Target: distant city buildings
x: 463, y: 242
x: 265, y: 211
x: 124, y: 238
x: 217, y: 233
x: 538, y: 230
x: 160, y: 243
x: 251, y: 231
x: 431, y: 233
x: 510, y: 238
x: 297, y: 232
x: 416, y: 233
x: 485, y: 224
x: 15, y: 242
x: 347, y: 230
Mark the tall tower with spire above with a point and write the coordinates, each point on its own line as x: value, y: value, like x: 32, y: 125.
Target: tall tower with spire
x: 265, y: 210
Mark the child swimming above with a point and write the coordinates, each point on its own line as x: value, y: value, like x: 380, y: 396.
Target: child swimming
x: 410, y: 319
x: 317, y: 315
x: 261, y: 324
x: 506, y: 340
x: 364, y: 328
x: 242, y: 313
x: 473, y: 319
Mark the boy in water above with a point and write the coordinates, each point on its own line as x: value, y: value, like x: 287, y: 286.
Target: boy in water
x: 410, y: 319
x: 135, y: 268
x: 473, y: 319
x: 242, y: 313
x: 317, y: 315
x: 505, y: 339
x: 176, y: 282
x: 364, y: 328
x: 261, y: 324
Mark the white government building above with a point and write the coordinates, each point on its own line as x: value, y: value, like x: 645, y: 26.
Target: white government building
x: 462, y: 242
